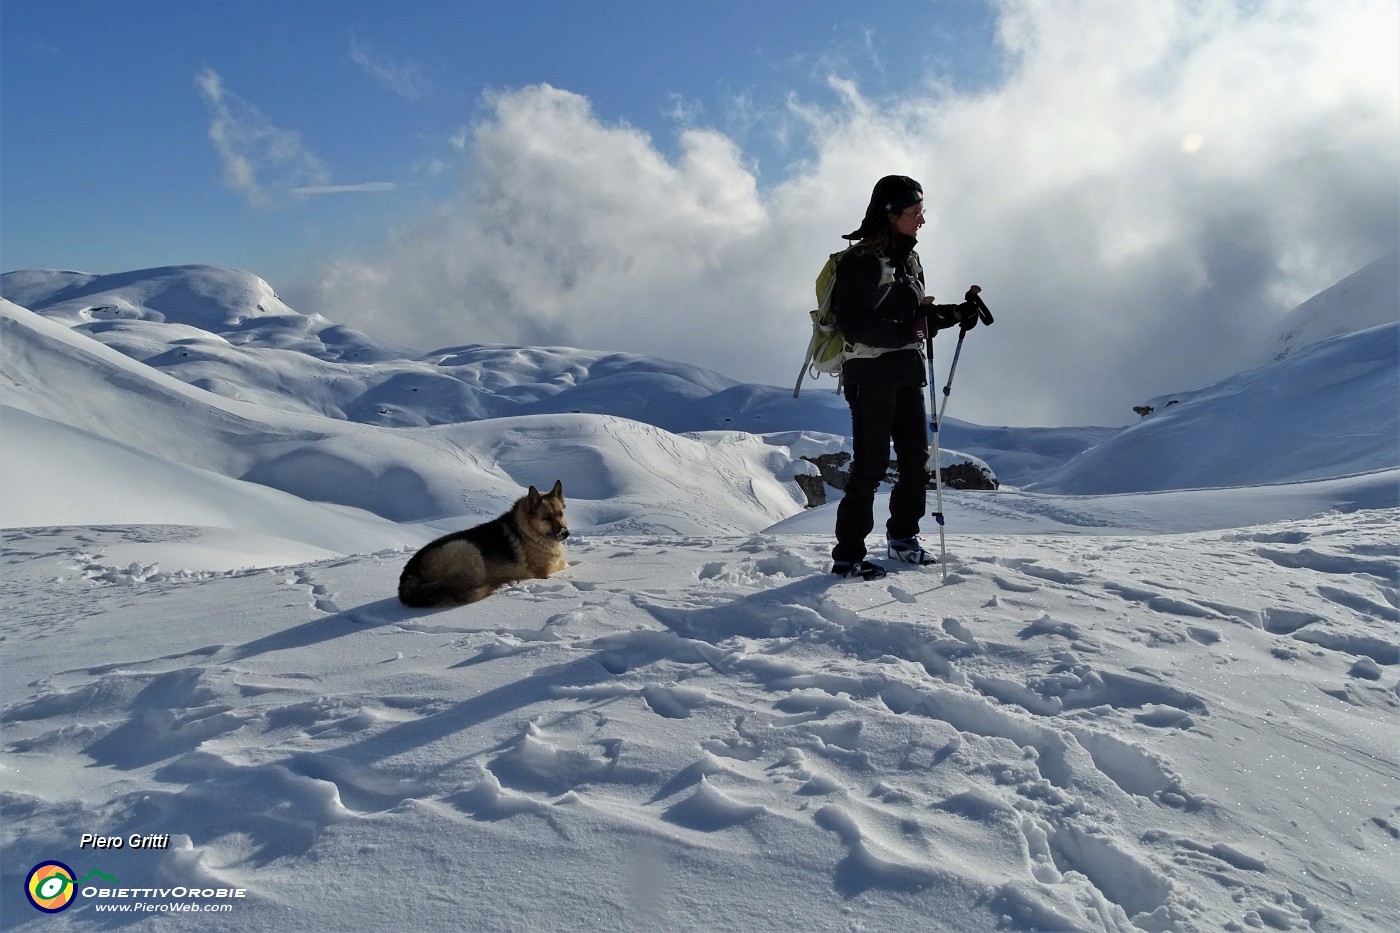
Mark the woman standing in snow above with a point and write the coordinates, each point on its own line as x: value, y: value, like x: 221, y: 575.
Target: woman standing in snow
x: 882, y: 311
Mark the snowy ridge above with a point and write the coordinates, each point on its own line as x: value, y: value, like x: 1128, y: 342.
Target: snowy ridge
x: 214, y: 332
x: 473, y: 469
x: 238, y: 306
x: 1327, y: 410
x: 1367, y: 298
x: 227, y: 332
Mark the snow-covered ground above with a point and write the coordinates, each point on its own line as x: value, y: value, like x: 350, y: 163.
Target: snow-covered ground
x: 1158, y: 691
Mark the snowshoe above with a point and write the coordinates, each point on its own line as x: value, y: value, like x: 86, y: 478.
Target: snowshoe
x: 909, y: 551
x: 858, y: 570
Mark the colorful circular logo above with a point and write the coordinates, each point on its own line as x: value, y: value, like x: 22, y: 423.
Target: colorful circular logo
x: 50, y: 886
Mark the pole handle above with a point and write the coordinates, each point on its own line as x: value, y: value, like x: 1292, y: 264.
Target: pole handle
x: 974, y: 295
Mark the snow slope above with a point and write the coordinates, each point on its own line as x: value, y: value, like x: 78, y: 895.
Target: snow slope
x: 1174, y: 709
x: 1327, y: 410
x: 1366, y: 298
x: 400, y: 474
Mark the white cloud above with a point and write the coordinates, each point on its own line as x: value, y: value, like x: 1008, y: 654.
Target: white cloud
x: 406, y: 80
x: 369, y: 186
x: 261, y: 161
x: 1151, y: 185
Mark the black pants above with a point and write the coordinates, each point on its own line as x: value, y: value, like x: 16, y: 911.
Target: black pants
x: 881, y: 413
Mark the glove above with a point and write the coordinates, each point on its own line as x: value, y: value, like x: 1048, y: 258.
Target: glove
x: 967, y: 316
x: 974, y: 298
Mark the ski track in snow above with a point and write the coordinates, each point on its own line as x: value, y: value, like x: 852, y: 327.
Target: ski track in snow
x: 1000, y: 738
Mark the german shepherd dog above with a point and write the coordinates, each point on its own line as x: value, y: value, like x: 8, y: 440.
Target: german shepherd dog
x: 525, y: 543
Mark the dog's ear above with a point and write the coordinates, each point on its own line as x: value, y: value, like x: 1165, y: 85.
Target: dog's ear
x: 558, y: 490
x: 533, y: 496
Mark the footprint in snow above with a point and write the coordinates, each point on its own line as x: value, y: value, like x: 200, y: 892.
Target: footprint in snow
x: 902, y: 595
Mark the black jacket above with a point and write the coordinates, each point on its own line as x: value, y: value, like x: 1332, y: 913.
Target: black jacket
x: 877, y: 298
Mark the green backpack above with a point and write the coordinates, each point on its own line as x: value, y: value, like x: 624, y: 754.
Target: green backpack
x: 827, y: 349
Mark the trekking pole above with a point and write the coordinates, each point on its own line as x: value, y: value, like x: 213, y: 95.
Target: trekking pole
x: 937, y: 459
x: 938, y: 411
x: 986, y: 316
x: 948, y: 387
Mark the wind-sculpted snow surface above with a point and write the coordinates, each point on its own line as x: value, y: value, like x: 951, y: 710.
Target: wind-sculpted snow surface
x: 1191, y: 732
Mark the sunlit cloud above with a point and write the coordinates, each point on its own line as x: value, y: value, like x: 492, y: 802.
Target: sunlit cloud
x: 1148, y: 189
x: 261, y: 161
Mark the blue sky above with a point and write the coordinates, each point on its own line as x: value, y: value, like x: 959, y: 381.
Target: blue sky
x: 1141, y: 188
x: 103, y: 119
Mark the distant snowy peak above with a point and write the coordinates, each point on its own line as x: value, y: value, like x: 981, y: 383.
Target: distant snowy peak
x: 1364, y: 299
x: 227, y: 332
x: 212, y: 298
x: 234, y: 305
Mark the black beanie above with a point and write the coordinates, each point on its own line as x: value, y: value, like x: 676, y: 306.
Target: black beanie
x: 892, y: 194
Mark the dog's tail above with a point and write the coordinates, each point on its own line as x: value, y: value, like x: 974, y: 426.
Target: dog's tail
x: 417, y: 593
x: 413, y: 592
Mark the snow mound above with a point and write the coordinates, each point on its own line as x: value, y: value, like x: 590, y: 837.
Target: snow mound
x: 639, y: 477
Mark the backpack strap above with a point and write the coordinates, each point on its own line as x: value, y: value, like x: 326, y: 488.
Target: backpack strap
x: 807, y: 358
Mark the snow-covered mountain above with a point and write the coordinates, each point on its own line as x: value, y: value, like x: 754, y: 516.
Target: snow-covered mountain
x: 66, y: 380
x: 1130, y: 706
x: 1327, y: 404
x: 1329, y: 409
x: 1367, y: 298
x: 225, y: 331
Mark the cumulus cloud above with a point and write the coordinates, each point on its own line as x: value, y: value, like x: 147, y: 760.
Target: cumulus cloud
x: 574, y: 232
x: 1148, y: 189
